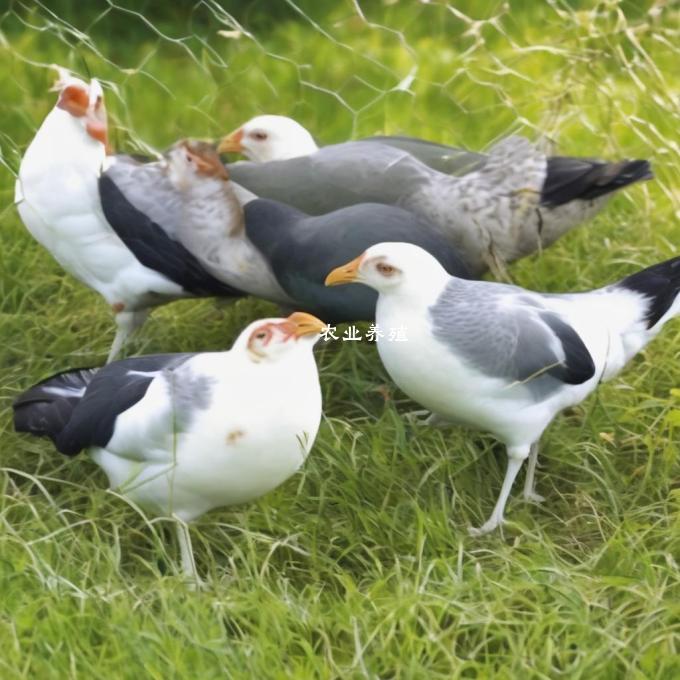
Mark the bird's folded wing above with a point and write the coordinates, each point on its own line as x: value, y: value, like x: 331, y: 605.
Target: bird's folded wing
x: 114, y: 389
x: 447, y: 159
x: 154, y: 244
x: 515, y: 165
x: 509, y: 334
x: 146, y: 186
x: 335, y: 177
x: 46, y: 407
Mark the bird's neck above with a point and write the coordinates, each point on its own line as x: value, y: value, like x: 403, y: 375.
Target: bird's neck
x: 212, y: 210
x: 62, y: 140
x: 419, y: 296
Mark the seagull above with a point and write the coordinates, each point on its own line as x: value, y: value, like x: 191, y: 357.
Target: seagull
x: 501, y: 358
x: 265, y: 248
x: 58, y: 200
x: 278, y: 138
x: 510, y: 202
x: 182, y: 434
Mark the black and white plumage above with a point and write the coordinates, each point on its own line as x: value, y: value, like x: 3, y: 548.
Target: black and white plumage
x: 500, y: 358
x: 58, y: 200
x: 506, y: 203
x: 181, y: 434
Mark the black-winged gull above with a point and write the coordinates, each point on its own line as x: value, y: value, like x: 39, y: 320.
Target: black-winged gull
x: 182, y: 209
x: 276, y: 138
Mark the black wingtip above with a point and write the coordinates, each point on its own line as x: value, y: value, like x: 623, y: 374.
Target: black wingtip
x: 634, y: 171
x: 571, y: 179
x: 660, y: 284
x: 44, y: 409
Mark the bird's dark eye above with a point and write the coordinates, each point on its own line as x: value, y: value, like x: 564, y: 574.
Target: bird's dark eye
x: 189, y: 159
x: 259, y: 136
x: 261, y: 335
x: 385, y: 269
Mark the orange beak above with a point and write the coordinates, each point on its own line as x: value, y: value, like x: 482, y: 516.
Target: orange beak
x: 346, y: 273
x: 305, y: 324
x: 232, y: 143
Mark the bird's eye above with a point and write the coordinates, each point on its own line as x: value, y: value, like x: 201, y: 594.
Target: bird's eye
x: 259, y: 339
x: 259, y: 136
x: 189, y: 159
x: 385, y: 269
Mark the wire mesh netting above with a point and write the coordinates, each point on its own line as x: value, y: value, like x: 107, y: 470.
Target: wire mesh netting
x: 598, y: 77
x: 582, y: 78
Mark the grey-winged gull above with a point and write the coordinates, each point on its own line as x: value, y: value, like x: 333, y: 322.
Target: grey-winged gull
x: 500, y: 358
x: 507, y: 204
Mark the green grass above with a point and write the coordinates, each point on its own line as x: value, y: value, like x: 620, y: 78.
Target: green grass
x: 360, y: 565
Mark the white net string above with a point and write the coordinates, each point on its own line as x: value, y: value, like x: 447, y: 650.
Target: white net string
x: 344, y: 67
x: 583, y: 78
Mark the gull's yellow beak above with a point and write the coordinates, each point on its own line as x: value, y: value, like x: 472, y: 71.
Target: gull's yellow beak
x: 347, y: 273
x: 305, y: 324
x: 232, y: 143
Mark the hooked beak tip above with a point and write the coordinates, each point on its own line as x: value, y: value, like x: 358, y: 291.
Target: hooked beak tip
x: 305, y: 324
x: 346, y: 273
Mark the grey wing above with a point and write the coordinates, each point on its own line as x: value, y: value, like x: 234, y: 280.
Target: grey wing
x: 447, y: 159
x: 335, y: 177
x: 153, y: 244
x: 515, y: 163
x: 147, y: 187
x: 506, y: 333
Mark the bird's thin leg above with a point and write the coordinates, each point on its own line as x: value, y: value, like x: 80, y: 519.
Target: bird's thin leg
x: 117, y: 345
x: 516, y: 456
x: 126, y: 324
x: 529, y: 482
x: 187, y: 553
x: 419, y: 416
